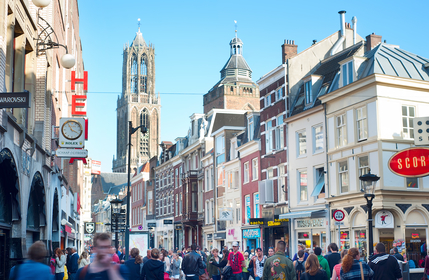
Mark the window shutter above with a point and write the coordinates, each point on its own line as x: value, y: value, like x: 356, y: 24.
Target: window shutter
x: 269, y: 191
x: 261, y: 189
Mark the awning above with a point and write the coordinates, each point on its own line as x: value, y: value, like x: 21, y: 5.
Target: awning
x: 319, y: 185
x: 304, y: 214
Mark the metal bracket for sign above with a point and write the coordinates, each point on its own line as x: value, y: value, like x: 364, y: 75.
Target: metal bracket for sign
x: 55, y: 132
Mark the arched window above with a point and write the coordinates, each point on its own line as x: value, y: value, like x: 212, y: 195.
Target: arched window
x: 133, y: 76
x: 143, y: 75
x: 144, y: 139
x: 238, y: 49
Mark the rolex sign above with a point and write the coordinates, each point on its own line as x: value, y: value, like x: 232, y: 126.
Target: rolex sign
x: 89, y: 228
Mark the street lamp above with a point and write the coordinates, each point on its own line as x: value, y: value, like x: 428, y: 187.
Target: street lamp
x: 131, y: 131
x: 368, y: 186
x: 115, y: 211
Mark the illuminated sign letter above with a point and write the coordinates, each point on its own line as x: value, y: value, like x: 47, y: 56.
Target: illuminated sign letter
x: 76, y: 105
x: 83, y: 81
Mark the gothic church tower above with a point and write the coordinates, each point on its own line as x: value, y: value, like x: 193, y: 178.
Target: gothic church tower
x: 139, y: 104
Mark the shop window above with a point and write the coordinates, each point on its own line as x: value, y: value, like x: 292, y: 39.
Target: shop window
x: 345, y: 240
x: 360, y: 240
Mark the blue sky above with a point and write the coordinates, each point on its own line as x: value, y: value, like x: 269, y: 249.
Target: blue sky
x: 191, y: 40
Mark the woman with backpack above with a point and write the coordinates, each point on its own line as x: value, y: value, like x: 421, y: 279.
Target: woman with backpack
x: 337, y: 268
x: 313, y: 270
x: 299, y: 264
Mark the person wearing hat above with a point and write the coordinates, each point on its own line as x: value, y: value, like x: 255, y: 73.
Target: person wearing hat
x: 236, y: 262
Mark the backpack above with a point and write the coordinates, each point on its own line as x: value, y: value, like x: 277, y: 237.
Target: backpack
x: 299, y: 269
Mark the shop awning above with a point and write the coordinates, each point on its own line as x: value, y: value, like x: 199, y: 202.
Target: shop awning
x: 319, y: 185
x: 304, y: 214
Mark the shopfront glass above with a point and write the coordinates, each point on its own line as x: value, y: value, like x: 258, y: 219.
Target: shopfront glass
x: 414, y: 240
x: 344, y: 240
x: 360, y: 242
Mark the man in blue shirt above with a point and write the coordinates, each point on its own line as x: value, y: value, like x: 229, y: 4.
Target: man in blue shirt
x: 33, y: 268
x: 73, y: 264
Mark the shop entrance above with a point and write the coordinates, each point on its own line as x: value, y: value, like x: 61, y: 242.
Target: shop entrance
x: 414, y: 239
x: 388, y: 242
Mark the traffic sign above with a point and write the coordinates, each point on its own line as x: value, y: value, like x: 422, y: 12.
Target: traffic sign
x: 339, y: 223
x: 339, y: 215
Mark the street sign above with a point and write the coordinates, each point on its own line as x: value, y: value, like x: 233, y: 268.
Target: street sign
x: 421, y: 131
x: 339, y: 223
x: 412, y: 162
x: 71, y: 153
x: 168, y: 222
x: 339, y: 215
x: 151, y: 224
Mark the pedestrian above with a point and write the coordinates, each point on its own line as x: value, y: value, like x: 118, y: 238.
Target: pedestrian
x: 148, y: 256
x: 68, y: 263
x: 224, y: 260
x: 73, y: 267
x: 299, y: 265
x: 353, y: 269
x: 33, y: 268
x: 115, y: 257
x: 333, y: 257
x: 192, y: 263
x: 213, y: 270
x: 246, y: 273
x: 102, y: 267
x: 202, y: 272
x: 134, y: 264
x: 175, y: 266
x: 279, y: 267
x: 398, y: 256
x: 60, y: 261
x: 300, y: 247
x: 248, y: 250
x: 337, y: 268
x: 123, y: 255
x: 153, y: 269
x: 270, y: 252
x: 323, y: 262
x: 166, y: 261
x: 313, y: 270
x: 385, y: 267
x: 258, y: 264
x: 236, y: 262
x: 83, y: 260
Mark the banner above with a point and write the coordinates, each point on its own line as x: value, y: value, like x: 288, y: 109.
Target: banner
x: 95, y: 167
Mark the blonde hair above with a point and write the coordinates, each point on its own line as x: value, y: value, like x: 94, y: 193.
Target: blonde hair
x: 84, y: 255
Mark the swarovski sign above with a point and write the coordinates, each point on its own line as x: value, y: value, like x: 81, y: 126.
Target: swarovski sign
x: 15, y: 99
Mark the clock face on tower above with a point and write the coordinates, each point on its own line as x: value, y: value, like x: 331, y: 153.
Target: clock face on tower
x: 72, y: 130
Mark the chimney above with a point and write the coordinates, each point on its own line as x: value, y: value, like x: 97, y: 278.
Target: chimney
x: 372, y: 40
x: 289, y: 49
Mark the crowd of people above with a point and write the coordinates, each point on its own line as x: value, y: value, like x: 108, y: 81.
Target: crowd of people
x: 191, y: 263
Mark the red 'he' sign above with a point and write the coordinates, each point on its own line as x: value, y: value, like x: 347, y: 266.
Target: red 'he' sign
x: 412, y: 162
x: 78, y: 101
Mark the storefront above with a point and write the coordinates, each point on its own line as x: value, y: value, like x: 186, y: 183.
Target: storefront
x: 251, y: 238
x: 219, y: 240
x: 311, y: 233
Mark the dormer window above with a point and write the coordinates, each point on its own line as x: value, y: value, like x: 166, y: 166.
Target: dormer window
x: 308, y: 95
x: 347, y: 73
x: 250, y: 128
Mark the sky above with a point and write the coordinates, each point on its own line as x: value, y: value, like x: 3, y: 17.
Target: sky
x: 191, y: 40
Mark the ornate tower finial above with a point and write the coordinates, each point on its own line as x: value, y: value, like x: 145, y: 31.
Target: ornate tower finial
x: 139, y: 23
x: 235, y: 28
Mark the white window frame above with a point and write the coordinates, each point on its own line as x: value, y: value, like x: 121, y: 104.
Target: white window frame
x: 279, y: 133
x: 254, y: 169
x: 341, y: 130
x: 281, y: 181
x: 317, y: 149
x: 301, y: 145
x: 256, y: 212
x: 268, y: 99
x: 269, y: 147
x: 363, y: 169
x: 343, y: 175
x: 220, y: 148
x: 361, y: 124
x: 407, y: 122
x: 246, y: 172
x: 347, y: 73
x: 279, y: 93
x: 303, y: 189
x: 308, y: 92
x: 250, y: 128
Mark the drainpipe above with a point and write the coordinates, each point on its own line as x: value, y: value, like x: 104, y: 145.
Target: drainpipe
x: 328, y: 207
x: 340, y: 41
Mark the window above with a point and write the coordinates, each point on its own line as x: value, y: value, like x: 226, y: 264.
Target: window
x: 268, y: 100
x: 149, y: 202
x: 220, y: 149
x: 347, y: 72
x: 281, y: 191
x: 302, y: 143
x: 343, y: 173
x: 207, y: 211
x: 408, y: 113
x: 256, y: 205
x: 269, y: 137
x: 251, y: 129
x: 211, y: 211
x: 207, y: 179
x: 412, y: 183
x: 246, y: 172
x: 362, y: 131
x: 270, y: 173
x: 248, y: 211
x: 176, y: 212
x: 180, y: 203
x: 279, y: 133
x: 319, y: 188
x: 255, y: 169
x: 237, y: 211
x: 302, y: 177
x: 279, y: 94
x: 341, y: 130
x: 308, y: 95
x: 363, y: 165
x: 177, y: 177
x: 318, y: 138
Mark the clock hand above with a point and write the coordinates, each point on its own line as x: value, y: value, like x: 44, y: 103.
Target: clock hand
x: 71, y: 128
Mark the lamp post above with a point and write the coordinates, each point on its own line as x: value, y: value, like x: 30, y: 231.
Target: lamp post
x: 115, y: 211
x: 131, y: 131
x: 368, y: 186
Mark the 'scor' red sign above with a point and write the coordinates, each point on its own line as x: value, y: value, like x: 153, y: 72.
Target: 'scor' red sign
x: 412, y: 162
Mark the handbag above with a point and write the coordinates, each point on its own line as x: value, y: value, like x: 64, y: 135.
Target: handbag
x: 226, y: 272
x: 361, y: 270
